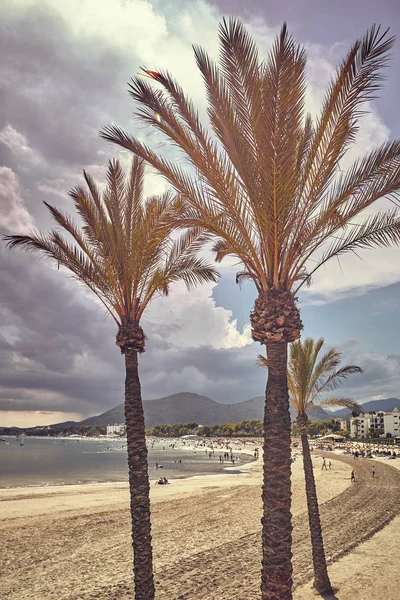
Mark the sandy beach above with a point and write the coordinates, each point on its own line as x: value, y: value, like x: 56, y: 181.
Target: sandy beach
x: 73, y: 542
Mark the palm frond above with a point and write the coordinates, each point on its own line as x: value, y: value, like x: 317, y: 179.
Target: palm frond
x: 334, y: 379
x: 339, y: 401
x: 264, y: 180
x: 377, y: 230
x: 309, y: 378
x: 357, y: 81
x: 124, y: 252
x: 262, y: 361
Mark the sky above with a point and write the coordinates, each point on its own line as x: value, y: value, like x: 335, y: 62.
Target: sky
x: 64, y: 68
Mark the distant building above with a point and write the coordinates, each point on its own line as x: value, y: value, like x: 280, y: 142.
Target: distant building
x: 116, y: 429
x: 391, y: 423
x: 381, y: 424
x: 360, y: 426
x: 345, y: 424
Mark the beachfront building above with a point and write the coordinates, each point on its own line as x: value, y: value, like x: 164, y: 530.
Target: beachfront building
x: 381, y: 424
x: 345, y: 424
x: 391, y: 423
x: 116, y: 429
x: 377, y: 424
x: 360, y: 426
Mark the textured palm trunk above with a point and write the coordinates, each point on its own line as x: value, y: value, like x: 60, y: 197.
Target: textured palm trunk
x: 321, y: 577
x: 138, y: 481
x: 276, y: 574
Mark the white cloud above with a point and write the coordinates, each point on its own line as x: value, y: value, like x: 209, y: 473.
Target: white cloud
x: 195, y: 320
x: 19, y: 146
x: 14, y: 216
x: 351, y: 275
x: 14, y: 140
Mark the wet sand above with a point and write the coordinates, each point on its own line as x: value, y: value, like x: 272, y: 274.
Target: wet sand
x: 73, y: 542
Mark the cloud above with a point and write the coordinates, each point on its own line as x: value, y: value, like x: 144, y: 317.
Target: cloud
x: 13, y: 213
x: 15, y: 141
x: 196, y: 320
x: 381, y: 377
x: 64, y: 78
x: 58, y: 352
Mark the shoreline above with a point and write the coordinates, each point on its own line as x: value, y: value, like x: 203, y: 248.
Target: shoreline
x: 231, y: 471
x: 165, y: 447
x: 53, y: 540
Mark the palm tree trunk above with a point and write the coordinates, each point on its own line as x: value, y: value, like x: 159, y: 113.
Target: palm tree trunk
x: 321, y: 577
x: 138, y: 481
x: 276, y: 574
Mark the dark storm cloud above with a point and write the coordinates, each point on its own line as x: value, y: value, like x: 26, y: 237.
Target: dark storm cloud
x: 227, y: 375
x: 53, y: 338
x: 55, y: 87
x: 57, y: 90
x: 380, y: 377
x: 57, y: 351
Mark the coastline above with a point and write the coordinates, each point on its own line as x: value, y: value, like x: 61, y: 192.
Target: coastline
x: 162, y: 451
x: 73, y: 542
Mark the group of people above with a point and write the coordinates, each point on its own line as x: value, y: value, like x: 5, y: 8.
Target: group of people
x: 229, y: 457
x: 325, y: 466
x: 328, y: 466
x: 353, y: 474
x: 162, y: 481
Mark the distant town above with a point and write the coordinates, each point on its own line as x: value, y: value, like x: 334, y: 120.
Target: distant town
x: 374, y: 425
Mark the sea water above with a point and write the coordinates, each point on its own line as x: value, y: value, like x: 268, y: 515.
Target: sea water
x: 48, y: 461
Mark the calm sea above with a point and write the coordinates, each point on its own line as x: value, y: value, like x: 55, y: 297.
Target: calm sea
x: 47, y: 461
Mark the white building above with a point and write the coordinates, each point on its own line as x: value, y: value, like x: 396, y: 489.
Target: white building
x: 345, y: 424
x: 116, y: 429
x: 391, y: 423
x: 379, y: 424
x: 360, y: 426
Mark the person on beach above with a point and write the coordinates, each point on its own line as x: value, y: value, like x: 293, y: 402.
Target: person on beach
x: 324, y: 464
x: 330, y: 465
x: 373, y: 471
x: 353, y: 476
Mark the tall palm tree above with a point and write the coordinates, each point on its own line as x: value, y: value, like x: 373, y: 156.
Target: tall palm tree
x: 124, y: 253
x: 266, y: 181
x: 309, y: 378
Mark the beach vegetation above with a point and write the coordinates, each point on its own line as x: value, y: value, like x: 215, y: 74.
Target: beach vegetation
x: 124, y: 253
x: 251, y: 428
x: 311, y: 378
x: 267, y: 180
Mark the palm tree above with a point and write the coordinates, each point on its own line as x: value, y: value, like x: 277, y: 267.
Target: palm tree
x: 124, y: 254
x: 308, y: 380
x: 266, y: 181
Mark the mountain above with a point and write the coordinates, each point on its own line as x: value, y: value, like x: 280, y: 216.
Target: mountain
x: 386, y: 405
x: 187, y: 407
x: 184, y: 407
